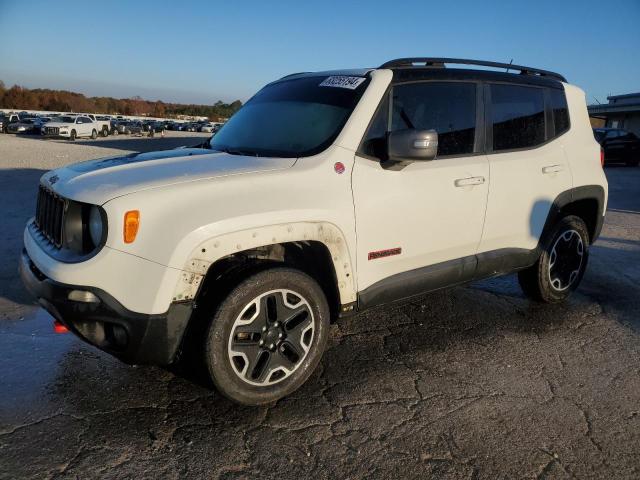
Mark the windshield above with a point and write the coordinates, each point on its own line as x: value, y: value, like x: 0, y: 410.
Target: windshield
x: 66, y: 119
x: 291, y: 118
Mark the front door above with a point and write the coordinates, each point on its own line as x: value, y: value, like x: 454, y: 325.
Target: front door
x: 419, y: 225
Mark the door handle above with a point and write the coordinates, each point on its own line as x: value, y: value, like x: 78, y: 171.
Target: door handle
x: 465, y: 182
x: 552, y: 169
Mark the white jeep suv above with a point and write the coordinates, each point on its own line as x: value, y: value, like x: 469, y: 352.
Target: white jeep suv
x: 326, y: 194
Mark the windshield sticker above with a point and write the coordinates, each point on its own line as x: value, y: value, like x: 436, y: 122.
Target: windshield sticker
x: 342, y: 82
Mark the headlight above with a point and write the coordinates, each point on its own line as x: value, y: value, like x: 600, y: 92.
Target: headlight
x: 95, y: 225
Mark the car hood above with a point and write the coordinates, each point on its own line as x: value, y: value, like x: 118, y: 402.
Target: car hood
x: 98, y: 181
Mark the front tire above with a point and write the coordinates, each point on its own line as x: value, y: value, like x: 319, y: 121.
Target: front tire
x: 94, y: 134
x: 561, y: 265
x: 267, y: 336
x: 73, y: 136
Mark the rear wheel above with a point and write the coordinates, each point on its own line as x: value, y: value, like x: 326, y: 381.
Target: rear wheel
x: 561, y: 265
x: 105, y: 131
x: 267, y: 336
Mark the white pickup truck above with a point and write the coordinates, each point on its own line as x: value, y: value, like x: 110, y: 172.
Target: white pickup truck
x: 103, y: 123
x: 71, y: 127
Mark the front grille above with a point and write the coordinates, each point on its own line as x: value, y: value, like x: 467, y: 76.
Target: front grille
x: 50, y: 211
x: 51, y: 130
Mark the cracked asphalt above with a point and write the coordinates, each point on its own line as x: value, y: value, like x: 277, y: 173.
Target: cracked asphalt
x: 470, y: 383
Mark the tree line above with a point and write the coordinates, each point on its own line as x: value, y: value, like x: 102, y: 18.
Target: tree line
x: 21, y: 98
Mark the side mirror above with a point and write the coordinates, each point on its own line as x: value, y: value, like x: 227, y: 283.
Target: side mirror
x: 412, y: 145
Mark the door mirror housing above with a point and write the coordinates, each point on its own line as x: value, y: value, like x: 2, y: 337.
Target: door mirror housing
x: 412, y: 145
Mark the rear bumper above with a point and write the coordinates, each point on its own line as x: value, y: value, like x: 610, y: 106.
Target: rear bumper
x: 130, y: 336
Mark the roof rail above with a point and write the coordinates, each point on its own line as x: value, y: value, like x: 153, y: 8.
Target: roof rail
x: 440, y: 63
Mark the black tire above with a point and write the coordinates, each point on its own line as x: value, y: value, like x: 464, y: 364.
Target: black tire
x: 115, y: 132
x: 260, y: 289
x: 541, y: 281
x: 105, y: 132
x: 73, y: 136
x: 94, y: 134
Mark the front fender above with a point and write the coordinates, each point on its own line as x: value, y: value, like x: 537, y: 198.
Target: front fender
x: 215, y: 248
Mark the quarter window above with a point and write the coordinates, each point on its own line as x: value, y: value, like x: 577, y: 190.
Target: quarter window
x: 517, y: 116
x: 560, y: 111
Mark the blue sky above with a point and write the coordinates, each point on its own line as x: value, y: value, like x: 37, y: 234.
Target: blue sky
x: 202, y: 51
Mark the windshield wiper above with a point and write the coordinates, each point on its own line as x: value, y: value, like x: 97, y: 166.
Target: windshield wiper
x: 236, y: 151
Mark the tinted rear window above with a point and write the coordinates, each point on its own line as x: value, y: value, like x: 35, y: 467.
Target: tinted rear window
x: 517, y: 115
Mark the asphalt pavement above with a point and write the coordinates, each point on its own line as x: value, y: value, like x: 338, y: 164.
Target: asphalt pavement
x: 470, y: 383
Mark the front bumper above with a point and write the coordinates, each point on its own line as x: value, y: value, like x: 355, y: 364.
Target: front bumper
x: 130, y: 336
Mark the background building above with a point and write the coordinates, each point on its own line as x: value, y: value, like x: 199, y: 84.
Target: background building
x: 622, y: 111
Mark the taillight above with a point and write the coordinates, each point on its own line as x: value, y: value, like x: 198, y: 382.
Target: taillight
x: 601, y: 157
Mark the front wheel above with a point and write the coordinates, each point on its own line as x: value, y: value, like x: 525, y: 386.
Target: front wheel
x: 73, y: 136
x: 94, y: 134
x: 561, y: 265
x: 267, y: 336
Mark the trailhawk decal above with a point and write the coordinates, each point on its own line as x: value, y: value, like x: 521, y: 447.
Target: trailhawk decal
x: 385, y: 253
x: 342, y: 82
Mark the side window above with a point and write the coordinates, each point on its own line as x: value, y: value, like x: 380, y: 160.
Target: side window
x: 560, y: 111
x: 446, y: 107
x: 517, y: 115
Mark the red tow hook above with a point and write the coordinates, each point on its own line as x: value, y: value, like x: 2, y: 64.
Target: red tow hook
x: 59, y: 327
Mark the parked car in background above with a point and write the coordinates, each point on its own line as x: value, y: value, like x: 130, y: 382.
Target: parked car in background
x: 618, y: 145
x: 39, y: 125
x: 6, y: 119
x: 25, y: 125
x: 136, y: 128
x: 157, y: 127
x: 209, y: 127
x: 71, y: 127
x: 122, y: 127
x: 103, y: 124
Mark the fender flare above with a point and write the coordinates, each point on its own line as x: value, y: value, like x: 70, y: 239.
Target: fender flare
x: 211, y: 250
x: 585, y: 192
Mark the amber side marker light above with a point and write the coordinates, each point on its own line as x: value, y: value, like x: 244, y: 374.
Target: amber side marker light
x: 131, y: 224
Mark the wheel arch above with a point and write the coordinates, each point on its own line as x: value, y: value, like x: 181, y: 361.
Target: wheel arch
x: 586, y: 202
x: 316, y: 248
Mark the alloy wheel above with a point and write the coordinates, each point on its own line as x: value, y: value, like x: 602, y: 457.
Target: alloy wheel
x: 565, y: 260
x: 271, y: 337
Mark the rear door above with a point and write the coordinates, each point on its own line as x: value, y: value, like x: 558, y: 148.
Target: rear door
x: 529, y: 168
x: 418, y: 225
